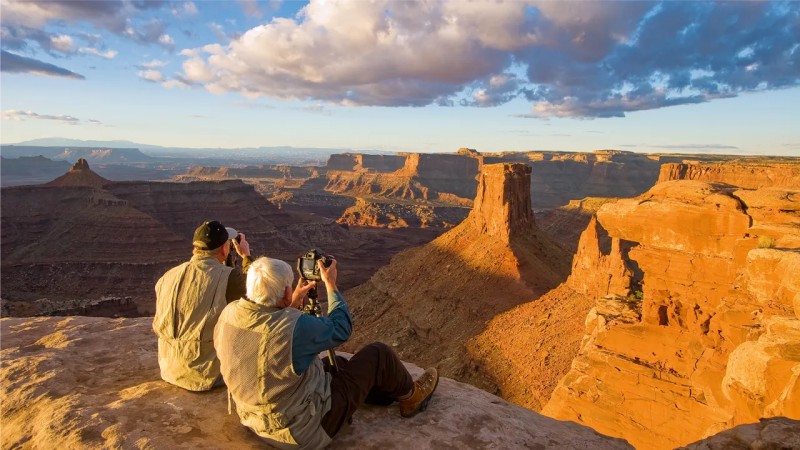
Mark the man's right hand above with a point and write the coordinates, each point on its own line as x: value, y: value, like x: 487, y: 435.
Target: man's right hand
x: 242, y: 247
x: 328, y: 275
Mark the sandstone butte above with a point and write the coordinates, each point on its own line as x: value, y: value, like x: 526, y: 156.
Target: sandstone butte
x: 83, y: 382
x: 430, y: 300
x: 695, y: 319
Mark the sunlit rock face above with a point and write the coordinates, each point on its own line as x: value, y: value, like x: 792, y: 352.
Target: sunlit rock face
x: 447, y: 178
x: 83, y: 382
x: 695, y: 328
x: 752, y: 175
x: 429, y: 301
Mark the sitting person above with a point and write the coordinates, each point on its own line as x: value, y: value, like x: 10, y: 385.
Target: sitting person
x: 269, y: 355
x: 189, y: 299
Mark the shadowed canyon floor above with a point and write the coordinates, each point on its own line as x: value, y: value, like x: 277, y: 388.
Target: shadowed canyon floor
x: 83, y: 244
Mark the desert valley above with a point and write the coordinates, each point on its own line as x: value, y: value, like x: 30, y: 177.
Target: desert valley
x: 607, y: 296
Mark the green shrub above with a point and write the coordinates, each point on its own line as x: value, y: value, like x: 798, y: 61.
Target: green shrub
x: 766, y: 242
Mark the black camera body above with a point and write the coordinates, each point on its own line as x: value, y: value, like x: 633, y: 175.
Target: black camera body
x: 307, y: 264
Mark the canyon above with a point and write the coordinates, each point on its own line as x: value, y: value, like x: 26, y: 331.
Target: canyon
x: 84, y: 244
x: 661, y: 308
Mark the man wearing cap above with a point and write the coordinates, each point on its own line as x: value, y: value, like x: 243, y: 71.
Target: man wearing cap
x: 189, y: 300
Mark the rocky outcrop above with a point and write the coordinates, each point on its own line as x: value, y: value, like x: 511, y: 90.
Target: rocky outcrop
x: 431, y: 300
x: 693, y: 329
x: 79, y: 175
x: 773, y: 433
x: 565, y: 224
x: 395, y: 215
x: 64, y: 386
x: 750, y: 175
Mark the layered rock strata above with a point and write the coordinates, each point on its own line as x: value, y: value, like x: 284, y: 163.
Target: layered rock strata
x: 395, y: 215
x: 63, y: 385
x: 750, y: 175
x: 430, y: 300
x: 694, y: 326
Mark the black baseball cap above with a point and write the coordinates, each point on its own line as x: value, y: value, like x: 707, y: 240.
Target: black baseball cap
x: 211, y: 235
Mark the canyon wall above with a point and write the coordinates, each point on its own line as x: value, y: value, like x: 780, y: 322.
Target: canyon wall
x: 695, y: 324
x: 368, y: 213
x: 751, y: 175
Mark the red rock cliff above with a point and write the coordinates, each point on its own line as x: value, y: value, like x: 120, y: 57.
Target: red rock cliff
x: 745, y: 175
x: 693, y: 324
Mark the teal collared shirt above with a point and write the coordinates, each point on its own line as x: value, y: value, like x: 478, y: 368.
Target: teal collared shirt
x: 313, y: 335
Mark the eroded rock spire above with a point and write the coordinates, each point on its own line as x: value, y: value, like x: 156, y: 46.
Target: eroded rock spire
x: 503, y: 203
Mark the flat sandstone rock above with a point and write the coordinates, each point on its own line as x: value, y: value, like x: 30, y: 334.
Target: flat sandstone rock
x: 84, y: 382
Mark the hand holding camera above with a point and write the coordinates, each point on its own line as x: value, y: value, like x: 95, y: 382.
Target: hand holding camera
x: 315, y: 265
x: 241, y: 245
x: 328, y: 273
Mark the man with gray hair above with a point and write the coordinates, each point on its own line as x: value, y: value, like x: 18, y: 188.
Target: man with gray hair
x: 189, y: 299
x: 268, y: 351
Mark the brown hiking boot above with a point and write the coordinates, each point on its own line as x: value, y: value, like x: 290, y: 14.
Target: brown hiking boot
x: 423, y: 390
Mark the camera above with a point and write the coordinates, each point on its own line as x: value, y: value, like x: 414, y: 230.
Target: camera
x: 307, y: 264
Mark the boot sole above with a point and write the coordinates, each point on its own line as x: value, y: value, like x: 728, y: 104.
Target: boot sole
x: 423, y: 405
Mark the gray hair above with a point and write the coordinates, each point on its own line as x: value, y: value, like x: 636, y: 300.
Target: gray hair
x: 267, y: 280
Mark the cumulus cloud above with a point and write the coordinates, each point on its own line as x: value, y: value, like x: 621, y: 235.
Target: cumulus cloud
x: 10, y: 62
x: 153, y: 76
x: 61, y: 42
x: 12, y: 114
x: 569, y: 59
x: 25, y: 21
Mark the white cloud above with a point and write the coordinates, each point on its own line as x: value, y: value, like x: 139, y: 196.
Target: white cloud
x: 186, y: 9
x: 61, y: 42
x: 109, y: 54
x: 15, y: 115
x: 177, y: 82
x: 166, y: 40
x: 568, y: 59
x: 151, y: 75
x: 154, y: 64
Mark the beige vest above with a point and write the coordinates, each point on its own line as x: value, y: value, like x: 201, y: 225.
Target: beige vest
x: 189, y: 299
x: 254, y: 346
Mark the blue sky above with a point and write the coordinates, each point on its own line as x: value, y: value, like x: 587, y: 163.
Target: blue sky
x: 429, y: 76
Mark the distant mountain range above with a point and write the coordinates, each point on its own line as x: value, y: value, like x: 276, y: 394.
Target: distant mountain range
x: 66, y: 142
x: 128, y: 152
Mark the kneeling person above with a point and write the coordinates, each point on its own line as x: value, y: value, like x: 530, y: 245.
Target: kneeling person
x: 268, y: 351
